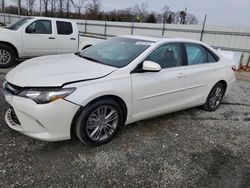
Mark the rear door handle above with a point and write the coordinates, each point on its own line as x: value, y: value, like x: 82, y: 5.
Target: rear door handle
x: 181, y: 75
x: 215, y: 69
x: 72, y: 38
x: 52, y: 38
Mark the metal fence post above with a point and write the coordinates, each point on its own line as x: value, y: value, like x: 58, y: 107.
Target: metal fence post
x: 19, y: 8
x: 248, y: 61
x: 40, y: 9
x: 105, y: 28
x: 3, y: 9
x: 203, y: 28
x: 85, y: 26
x: 132, y: 28
x: 132, y: 25
x: 163, y: 27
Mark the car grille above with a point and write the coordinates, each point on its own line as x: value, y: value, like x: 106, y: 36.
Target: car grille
x: 14, y: 90
x: 11, y: 114
x: 14, y: 117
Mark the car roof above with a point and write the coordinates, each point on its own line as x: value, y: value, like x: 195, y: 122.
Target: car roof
x: 151, y: 39
x: 160, y: 39
x: 48, y: 18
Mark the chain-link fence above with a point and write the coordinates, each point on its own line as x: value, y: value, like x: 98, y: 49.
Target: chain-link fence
x: 230, y: 38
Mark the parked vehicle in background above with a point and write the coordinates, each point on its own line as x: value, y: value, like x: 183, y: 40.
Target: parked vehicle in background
x: 91, y: 94
x: 39, y: 36
x: 2, y: 24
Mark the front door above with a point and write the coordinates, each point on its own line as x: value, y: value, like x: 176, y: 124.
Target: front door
x: 155, y: 93
x: 39, y: 39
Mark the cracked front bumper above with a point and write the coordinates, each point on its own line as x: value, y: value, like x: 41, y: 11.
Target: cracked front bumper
x: 49, y: 122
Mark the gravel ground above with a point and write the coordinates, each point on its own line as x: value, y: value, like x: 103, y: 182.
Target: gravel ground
x: 192, y: 148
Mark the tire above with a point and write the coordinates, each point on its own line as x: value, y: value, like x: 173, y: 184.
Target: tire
x: 215, y: 97
x: 95, y: 129
x: 7, y: 56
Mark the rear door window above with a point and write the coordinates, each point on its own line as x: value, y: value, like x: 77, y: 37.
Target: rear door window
x: 212, y: 58
x: 64, y: 28
x: 198, y: 54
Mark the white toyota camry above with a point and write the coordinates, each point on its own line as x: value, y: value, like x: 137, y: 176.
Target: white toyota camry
x: 125, y: 79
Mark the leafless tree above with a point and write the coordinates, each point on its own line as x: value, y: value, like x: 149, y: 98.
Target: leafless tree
x: 53, y: 7
x: 166, y: 14
x: 78, y: 5
x: 61, y: 7
x: 46, y: 6
x: 191, y: 19
x: 140, y: 11
x: 94, y: 8
x: 68, y: 8
x: 30, y: 6
x: 166, y: 10
x: 18, y: 4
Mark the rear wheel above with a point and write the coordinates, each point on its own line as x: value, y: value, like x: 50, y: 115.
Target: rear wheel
x: 215, y: 97
x: 99, y: 122
x: 7, y: 56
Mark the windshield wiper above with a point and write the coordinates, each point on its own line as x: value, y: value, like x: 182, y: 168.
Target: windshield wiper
x: 89, y: 58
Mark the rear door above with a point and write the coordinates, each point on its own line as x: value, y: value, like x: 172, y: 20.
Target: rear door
x: 39, y: 38
x: 201, y: 72
x: 67, y: 37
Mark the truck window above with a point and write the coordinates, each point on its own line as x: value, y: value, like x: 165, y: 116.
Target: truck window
x: 40, y: 27
x: 64, y: 28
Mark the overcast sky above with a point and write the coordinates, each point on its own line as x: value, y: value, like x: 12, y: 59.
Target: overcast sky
x: 222, y: 12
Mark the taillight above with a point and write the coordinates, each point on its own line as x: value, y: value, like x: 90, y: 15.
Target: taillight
x: 234, y: 68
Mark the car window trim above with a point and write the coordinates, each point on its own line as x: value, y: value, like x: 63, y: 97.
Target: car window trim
x: 212, y: 54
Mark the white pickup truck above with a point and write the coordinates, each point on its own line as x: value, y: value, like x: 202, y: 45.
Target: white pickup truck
x: 38, y: 36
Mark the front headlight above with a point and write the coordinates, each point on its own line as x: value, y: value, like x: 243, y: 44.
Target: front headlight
x: 46, y: 95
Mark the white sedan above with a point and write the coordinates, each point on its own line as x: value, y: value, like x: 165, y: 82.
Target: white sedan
x: 93, y: 93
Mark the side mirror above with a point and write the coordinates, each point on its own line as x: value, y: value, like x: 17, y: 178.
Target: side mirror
x: 29, y: 30
x: 150, y: 66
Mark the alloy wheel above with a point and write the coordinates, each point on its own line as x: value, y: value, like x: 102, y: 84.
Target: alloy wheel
x: 102, y: 123
x: 216, y: 97
x: 5, y: 56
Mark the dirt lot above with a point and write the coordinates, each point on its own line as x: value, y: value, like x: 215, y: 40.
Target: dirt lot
x: 192, y: 148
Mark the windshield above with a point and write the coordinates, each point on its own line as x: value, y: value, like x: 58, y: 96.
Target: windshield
x: 116, y: 52
x: 18, y: 24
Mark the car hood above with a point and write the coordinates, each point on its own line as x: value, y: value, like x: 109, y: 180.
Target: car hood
x: 7, y: 32
x: 57, y: 70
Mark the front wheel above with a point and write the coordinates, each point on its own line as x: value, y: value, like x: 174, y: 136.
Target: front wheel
x: 215, y: 97
x: 7, y: 56
x: 99, y: 122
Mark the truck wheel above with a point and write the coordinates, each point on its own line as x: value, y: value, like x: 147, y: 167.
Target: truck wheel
x: 7, y: 56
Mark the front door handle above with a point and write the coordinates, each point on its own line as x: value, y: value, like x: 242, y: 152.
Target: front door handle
x: 72, y: 38
x: 215, y: 69
x: 52, y: 38
x: 181, y: 75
